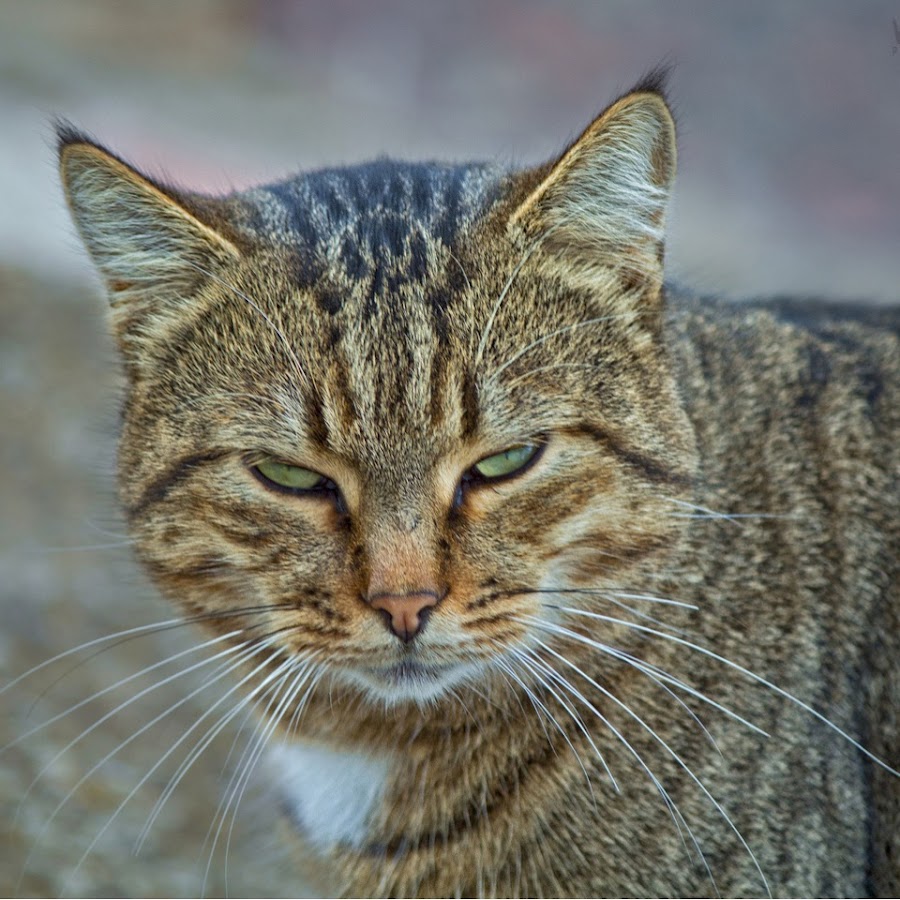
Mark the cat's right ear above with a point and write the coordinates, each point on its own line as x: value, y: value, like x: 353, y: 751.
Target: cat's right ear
x: 600, y: 207
x: 152, y: 244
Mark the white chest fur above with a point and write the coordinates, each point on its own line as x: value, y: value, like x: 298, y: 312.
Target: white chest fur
x: 331, y: 794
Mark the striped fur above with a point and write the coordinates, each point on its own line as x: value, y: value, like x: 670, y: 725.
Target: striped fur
x: 716, y: 494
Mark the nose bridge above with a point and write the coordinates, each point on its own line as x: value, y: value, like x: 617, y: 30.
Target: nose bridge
x: 402, y: 560
x: 402, y: 578
x: 400, y: 540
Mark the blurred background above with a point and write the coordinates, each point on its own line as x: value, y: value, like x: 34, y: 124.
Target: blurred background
x: 789, y: 182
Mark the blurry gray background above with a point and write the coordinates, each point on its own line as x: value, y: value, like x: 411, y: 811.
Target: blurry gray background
x: 789, y: 181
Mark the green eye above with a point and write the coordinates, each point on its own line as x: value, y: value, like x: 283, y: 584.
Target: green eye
x: 508, y: 462
x: 294, y: 478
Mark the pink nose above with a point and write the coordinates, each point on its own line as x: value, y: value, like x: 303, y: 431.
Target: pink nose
x: 406, y: 613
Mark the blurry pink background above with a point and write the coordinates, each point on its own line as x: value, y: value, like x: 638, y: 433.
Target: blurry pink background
x: 789, y: 112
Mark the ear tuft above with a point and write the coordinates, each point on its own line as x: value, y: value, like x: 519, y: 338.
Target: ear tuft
x: 656, y: 81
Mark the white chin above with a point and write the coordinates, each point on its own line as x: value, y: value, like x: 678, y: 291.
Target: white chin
x: 411, y: 682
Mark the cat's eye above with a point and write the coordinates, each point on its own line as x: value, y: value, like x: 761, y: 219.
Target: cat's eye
x: 291, y: 478
x: 509, y: 462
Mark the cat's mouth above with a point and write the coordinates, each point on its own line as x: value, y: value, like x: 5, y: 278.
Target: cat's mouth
x: 408, y: 671
x: 410, y: 679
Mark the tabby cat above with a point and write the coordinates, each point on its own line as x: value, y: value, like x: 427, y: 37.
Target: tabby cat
x: 546, y: 578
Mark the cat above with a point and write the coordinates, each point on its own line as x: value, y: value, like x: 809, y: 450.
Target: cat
x: 547, y: 577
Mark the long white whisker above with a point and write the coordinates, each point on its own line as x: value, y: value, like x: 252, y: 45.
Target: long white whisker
x: 526, y: 657
x: 109, y: 715
x: 267, y: 695
x: 611, y: 598
x: 704, y: 512
x: 672, y: 807
x: 659, y: 674
x: 123, y: 681
x: 79, y: 548
x: 207, y: 738
x: 290, y: 696
x: 541, y: 708
x: 652, y: 598
x: 290, y: 350
x: 122, y: 744
x: 738, y: 668
x: 234, y: 664
x: 549, y: 368
x: 649, y: 672
x: 546, y: 337
x: 302, y: 667
x: 116, y: 635
x: 269, y: 721
x: 294, y: 723
x: 684, y: 766
x: 499, y: 302
x: 503, y: 667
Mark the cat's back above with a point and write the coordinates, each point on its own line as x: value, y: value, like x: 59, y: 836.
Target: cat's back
x: 787, y: 361
x: 796, y: 406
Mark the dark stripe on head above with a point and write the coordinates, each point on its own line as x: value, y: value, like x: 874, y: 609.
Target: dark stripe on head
x: 650, y: 469
x: 471, y: 411
x: 180, y: 470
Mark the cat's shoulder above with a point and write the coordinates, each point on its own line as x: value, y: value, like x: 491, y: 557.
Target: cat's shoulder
x: 804, y: 355
x: 814, y: 315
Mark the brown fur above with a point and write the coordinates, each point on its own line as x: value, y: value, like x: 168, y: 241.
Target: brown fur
x: 740, y: 460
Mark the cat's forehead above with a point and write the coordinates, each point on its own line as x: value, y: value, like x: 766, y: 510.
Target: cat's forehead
x: 379, y: 216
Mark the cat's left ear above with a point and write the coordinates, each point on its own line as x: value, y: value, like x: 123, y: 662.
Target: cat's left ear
x: 600, y: 207
x: 153, y: 245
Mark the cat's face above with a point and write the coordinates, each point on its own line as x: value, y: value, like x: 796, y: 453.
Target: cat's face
x: 385, y: 417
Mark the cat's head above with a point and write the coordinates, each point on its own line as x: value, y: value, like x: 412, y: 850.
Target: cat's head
x: 386, y: 416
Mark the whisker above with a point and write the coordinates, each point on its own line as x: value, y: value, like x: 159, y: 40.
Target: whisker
x: 265, y: 693
x: 205, y: 740
x: 672, y: 807
x: 611, y: 598
x: 234, y: 793
x: 106, y: 717
x: 664, y: 744
x: 120, y: 746
x: 703, y: 512
x: 249, y: 654
x: 118, y: 684
x: 659, y: 675
x: 526, y: 657
x: 649, y: 672
x: 118, y: 638
x: 546, y: 337
x: 462, y: 268
x: 79, y: 548
x: 136, y: 631
x: 306, y: 671
x: 603, y: 592
x: 540, y: 708
x: 269, y: 723
x: 548, y: 368
x: 502, y: 296
x: 738, y: 668
x: 650, y: 598
x: 294, y: 723
x: 290, y: 350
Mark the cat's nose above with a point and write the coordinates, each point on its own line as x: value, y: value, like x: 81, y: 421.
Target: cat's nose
x: 405, y: 613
